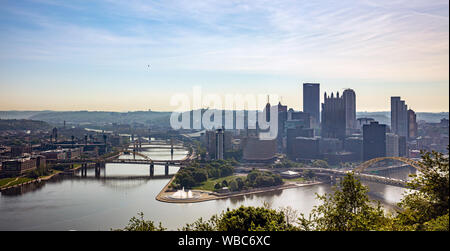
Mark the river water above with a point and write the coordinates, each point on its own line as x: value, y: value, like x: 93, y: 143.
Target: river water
x: 77, y: 203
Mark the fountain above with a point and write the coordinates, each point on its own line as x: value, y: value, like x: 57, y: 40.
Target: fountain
x: 182, y: 194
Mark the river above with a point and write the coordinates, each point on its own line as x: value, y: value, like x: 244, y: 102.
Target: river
x: 76, y: 203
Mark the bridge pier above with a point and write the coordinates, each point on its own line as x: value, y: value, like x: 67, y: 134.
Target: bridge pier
x: 84, y: 170
x: 152, y: 170
x: 97, y: 170
x: 166, y: 169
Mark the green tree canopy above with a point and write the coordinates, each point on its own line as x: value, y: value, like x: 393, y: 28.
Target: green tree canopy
x: 429, y: 199
x: 348, y: 209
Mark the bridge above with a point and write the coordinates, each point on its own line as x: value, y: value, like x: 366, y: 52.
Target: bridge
x: 150, y: 161
x: 151, y: 146
x: 380, y: 179
x: 368, y: 163
x: 358, y: 171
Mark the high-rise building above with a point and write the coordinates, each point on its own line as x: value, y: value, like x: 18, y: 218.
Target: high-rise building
x: 392, y: 146
x: 311, y: 102
x: 354, y: 145
x: 220, y: 143
x: 282, y: 118
x: 363, y: 121
x: 333, y: 117
x: 402, y: 147
x: 412, y: 124
x: 350, y: 110
x: 399, y: 117
x: 217, y: 142
x: 374, y: 141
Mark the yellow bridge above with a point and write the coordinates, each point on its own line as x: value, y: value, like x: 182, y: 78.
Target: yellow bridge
x: 368, y: 163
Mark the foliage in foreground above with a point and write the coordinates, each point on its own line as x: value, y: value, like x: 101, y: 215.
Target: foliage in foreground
x: 348, y: 209
x: 428, y: 205
x: 139, y: 224
x: 243, y: 219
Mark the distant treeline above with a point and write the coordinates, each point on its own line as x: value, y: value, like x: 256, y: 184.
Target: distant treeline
x: 23, y: 124
x: 162, y: 118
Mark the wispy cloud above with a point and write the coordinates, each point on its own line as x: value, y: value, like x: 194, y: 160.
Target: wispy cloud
x: 391, y: 41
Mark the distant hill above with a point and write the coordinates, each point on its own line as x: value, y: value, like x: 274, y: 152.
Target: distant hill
x: 385, y: 117
x: 23, y: 124
x: 19, y: 114
x: 161, y: 119
x: 99, y: 117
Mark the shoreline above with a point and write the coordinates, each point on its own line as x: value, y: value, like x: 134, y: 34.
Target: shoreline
x: 210, y: 195
x: 45, y: 178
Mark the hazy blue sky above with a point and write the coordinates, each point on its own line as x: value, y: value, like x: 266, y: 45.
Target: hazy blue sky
x: 94, y: 55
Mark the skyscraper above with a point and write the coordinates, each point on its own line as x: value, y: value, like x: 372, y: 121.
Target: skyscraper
x: 282, y: 118
x: 333, y: 117
x: 412, y: 124
x: 350, y: 110
x: 311, y: 102
x: 220, y: 141
x: 399, y: 117
x: 374, y: 141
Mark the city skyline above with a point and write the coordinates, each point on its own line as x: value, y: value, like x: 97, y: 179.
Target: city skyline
x: 112, y: 56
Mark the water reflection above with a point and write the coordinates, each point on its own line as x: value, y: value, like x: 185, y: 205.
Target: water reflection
x: 16, y: 191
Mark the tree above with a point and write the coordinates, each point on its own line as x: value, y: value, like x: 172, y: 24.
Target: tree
x: 320, y: 163
x: 233, y: 185
x: 428, y: 204
x: 224, y: 183
x: 289, y: 213
x: 139, y: 224
x: 308, y: 174
x: 243, y: 219
x: 348, y: 209
x: 200, y: 175
x: 240, y: 183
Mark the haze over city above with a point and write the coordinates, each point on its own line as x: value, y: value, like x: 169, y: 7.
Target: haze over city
x: 134, y: 55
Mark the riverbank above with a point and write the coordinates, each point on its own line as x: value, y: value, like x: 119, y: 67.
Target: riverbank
x: 164, y: 194
x: 24, y: 181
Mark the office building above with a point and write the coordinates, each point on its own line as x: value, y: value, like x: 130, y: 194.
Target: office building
x: 354, y: 145
x: 399, y: 117
x: 402, y: 147
x: 257, y: 150
x: 349, y: 97
x: 220, y: 143
x: 412, y: 125
x: 392, y: 146
x: 304, y: 148
x: 311, y: 102
x: 282, y: 118
x: 333, y: 117
x: 374, y: 141
x: 217, y: 142
x: 18, y: 166
x: 360, y: 122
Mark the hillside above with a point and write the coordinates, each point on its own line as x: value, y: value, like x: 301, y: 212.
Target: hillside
x: 23, y: 124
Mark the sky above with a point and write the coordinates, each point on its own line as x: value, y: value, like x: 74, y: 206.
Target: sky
x: 95, y: 54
